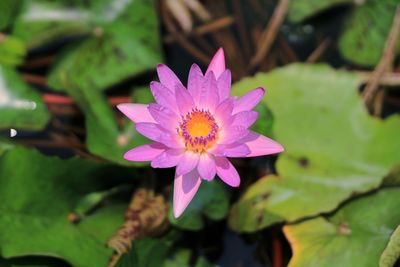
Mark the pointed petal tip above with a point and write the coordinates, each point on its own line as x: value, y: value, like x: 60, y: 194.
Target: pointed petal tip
x: 135, y: 112
x: 177, y: 211
x: 129, y: 157
x: 122, y: 107
x: 280, y: 148
x: 276, y: 148
x: 195, y: 67
x: 237, y: 184
x: 217, y: 64
x: 126, y: 156
x: 220, y: 53
x: 261, y: 145
x: 260, y: 91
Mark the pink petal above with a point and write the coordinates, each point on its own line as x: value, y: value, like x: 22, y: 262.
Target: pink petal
x: 167, y: 77
x: 227, y: 172
x: 260, y: 145
x: 245, y: 118
x: 185, y: 187
x: 187, y: 163
x: 224, y: 85
x: 236, y: 150
x: 223, y: 113
x: 165, y: 117
x: 145, y: 152
x: 184, y: 100
x: 167, y: 159
x: 217, y: 64
x: 206, y: 167
x: 150, y: 130
x: 249, y: 100
x: 136, y: 112
x: 232, y: 134
x: 208, y: 98
x: 171, y: 140
x: 195, y: 81
x: 164, y: 96
x: 156, y: 133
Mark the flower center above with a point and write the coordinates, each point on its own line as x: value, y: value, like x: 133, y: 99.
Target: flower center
x: 198, y: 129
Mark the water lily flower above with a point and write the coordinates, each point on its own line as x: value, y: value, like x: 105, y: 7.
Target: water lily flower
x: 197, y: 129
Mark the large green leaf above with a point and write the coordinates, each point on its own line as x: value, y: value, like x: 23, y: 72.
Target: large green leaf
x: 334, y: 149
x: 392, y: 251
x: 44, y: 21
x: 125, y: 45
x: 355, y: 236
x: 20, y: 105
x: 212, y: 201
x: 104, y: 138
x: 302, y: 9
x: 37, y: 198
x: 103, y: 223
x: 363, y: 39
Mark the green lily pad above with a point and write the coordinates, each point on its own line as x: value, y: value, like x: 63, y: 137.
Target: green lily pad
x: 37, y: 198
x: 148, y: 252
x: 392, y: 251
x: 354, y: 236
x: 104, y: 138
x: 366, y: 31
x: 300, y: 10
x: 333, y: 148
x: 211, y: 201
x: 104, y: 222
x: 393, y: 177
x: 20, y: 105
x: 12, y: 50
x: 123, y: 47
x: 41, y: 22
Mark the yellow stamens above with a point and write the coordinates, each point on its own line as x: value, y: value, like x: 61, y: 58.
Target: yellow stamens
x: 199, y: 130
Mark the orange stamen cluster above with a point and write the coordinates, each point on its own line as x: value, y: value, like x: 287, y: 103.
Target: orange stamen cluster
x: 198, y: 129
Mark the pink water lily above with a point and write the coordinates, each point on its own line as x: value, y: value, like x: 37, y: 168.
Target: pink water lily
x: 197, y: 129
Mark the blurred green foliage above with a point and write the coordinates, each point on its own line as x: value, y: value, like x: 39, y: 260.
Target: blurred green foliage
x: 20, y: 105
x: 125, y: 44
x: 12, y: 50
x: 300, y: 10
x: 366, y: 28
x: 8, y: 10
